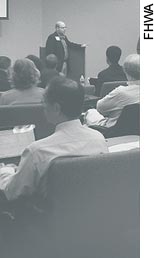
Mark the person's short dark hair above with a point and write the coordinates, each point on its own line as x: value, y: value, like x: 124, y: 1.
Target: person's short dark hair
x: 51, y: 61
x: 68, y: 93
x: 131, y: 66
x: 37, y: 61
x: 113, y: 54
x: 25, y: 74
x: 5, y: 62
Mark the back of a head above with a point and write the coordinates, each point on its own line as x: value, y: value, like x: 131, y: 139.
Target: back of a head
x: 113, y: 54
x: 25, y: 74
x: 5, y: 62
x: 37, y: 61
x: 131, y: 67
x: 68, y: 93
x: 51, y: 61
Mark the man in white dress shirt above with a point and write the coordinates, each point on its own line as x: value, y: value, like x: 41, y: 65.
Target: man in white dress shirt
x: 63, y: 101
x: 109, y: 108
x: 112, y: 104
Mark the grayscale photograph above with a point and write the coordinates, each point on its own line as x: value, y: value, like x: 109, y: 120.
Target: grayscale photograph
x: 70, y: 128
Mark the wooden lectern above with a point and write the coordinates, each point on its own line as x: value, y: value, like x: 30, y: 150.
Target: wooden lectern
x: 76, y: 62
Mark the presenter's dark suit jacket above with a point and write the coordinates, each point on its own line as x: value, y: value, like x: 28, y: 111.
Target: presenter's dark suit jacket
x: 54, y: 46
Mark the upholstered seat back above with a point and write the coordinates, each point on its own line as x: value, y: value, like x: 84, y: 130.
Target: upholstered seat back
x: 14, y: 115
x: 94, y: 206
x: 107, y: 87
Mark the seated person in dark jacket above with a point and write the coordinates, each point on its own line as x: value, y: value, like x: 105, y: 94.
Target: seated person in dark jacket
x: 114, y: 72
x: 50, y: 70
x: 5, y: 64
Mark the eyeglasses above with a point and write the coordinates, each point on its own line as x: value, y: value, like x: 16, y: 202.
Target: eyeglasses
x: 63, y: 27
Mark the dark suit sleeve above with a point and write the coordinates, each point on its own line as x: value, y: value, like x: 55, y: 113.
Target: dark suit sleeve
x: 72, y: 44
x: 50, y: 45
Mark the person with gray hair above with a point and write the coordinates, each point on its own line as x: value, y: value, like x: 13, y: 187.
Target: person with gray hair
x: 131, y: 67
x: 25, y: 78
x: 112, y: 104
x: 58, y: 44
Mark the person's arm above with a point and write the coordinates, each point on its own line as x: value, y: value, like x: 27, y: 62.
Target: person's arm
x: 72, y: 44
x: 24, y: 180
x: 109, y: 102
x: 50, y: 45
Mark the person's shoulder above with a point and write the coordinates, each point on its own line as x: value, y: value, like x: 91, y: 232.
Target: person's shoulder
x: 9, y: 93
x: 94, y: 133
x: 52, y: 36
x: 7, y: 96
x: 96, y: 138
x: 103, y: 72
x: 120, y: 89
x: 43, y: 144
x: 36, y: 145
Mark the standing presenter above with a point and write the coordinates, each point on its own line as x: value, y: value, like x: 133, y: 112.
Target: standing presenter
x: 58, y: 44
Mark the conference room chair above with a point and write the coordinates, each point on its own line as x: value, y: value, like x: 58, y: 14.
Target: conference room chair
x: 90, y: 101
x: 93, y: 81
x: 92, y: 210
x: 127, y: 124
x: 89, y: 89
x: 107, y: 87
x: 16, y: 115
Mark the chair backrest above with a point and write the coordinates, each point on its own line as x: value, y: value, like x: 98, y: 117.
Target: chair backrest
x: 89, y: 89
x: 127, y: 124
x: 14, y: 115
x: 94, y: 206
x: 107, y: 87
x: 93, y: 81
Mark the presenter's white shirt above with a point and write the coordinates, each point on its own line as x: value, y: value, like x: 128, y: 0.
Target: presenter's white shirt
x: 70, y: 139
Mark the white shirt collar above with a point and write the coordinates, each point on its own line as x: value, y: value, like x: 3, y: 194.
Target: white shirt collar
x: 68, y: 124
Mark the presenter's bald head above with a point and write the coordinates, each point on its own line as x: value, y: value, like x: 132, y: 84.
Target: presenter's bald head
x: 60, y: 27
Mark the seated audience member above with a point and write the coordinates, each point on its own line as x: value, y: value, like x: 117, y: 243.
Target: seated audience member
x: 37, y: 61
x: 25, y: 79
x: 50, y: 70
x: 63, y: 101
x: 112, y: 104
x: 114, y: 72
x: 5, y: 64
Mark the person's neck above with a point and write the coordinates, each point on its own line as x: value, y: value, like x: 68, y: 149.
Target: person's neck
x: 113, y: 64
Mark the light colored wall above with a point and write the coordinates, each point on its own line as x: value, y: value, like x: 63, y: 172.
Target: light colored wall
x: 22, y: 33
x: 98, y: 23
